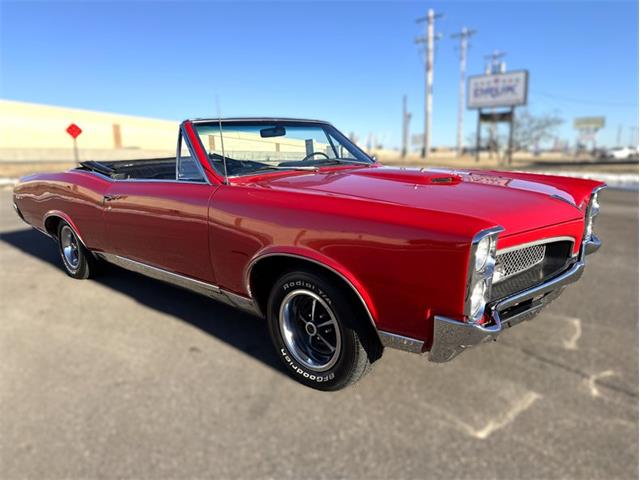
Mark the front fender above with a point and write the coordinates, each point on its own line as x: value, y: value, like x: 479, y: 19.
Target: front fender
x: 321, y: 260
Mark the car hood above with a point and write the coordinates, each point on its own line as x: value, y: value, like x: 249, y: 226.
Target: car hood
x: 500, y: 198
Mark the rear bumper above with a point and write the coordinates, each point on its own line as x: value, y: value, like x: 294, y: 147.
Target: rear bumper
x: 452, y: 337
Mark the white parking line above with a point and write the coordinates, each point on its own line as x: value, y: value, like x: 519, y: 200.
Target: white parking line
x: 591, y: 381
x: 500, y: 421
x: 572, y: 343
x: 505, y: 418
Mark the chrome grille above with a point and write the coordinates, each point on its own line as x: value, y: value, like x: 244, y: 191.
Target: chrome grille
x: 516, y: 261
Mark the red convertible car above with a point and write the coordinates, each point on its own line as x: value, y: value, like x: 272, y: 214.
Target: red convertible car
x: 289, y: 220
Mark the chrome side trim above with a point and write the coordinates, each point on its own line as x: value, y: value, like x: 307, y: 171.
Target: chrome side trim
x: 538, y: 242
x: 142, y: 180
x: 160, y: 274
x: 400, y: 342
x: 203, y: 288
x: 247, y: 280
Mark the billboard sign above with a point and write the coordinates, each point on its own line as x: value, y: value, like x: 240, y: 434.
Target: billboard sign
x: 508, y: 89
x: 588, y: 123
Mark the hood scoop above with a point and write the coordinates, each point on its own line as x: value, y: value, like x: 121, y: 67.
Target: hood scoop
x: 442, y: 179
x: 412, y: 176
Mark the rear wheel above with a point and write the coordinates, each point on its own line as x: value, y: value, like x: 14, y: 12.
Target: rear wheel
x: 78, y: 262
x: 314, y: 327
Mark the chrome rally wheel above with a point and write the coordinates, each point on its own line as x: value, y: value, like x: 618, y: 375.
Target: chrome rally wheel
x: 78, y: 262
x: 310, y: 330
x: 319, y: 332
x: 70, y: 248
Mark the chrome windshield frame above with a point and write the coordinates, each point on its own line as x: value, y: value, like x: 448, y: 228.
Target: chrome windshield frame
x: 330, y: 131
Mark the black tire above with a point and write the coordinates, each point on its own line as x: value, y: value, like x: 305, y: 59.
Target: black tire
x: 298, y: 295
x: 77, y: 261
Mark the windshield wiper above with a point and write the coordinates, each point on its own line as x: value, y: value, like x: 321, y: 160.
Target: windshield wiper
x: 344, y: 160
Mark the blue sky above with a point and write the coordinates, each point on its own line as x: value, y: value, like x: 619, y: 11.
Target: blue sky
x: 347, y: 62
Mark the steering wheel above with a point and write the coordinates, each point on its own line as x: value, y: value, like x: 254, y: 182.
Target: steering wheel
x: 312, y: 154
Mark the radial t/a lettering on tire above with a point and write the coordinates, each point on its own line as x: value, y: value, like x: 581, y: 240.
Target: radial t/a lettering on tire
x: 313, y: 325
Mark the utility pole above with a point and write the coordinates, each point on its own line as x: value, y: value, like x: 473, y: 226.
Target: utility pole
x: 633, y: 139
x: 494, y: 65
x: 406, y: 118
x: 464, y: 35
x: 428, y: 101
x: 619, y: 136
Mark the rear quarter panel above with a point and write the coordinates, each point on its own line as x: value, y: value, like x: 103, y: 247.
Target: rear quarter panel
x: 78, y: 195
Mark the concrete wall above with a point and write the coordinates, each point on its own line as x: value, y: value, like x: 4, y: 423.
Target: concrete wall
x: 34, y: 132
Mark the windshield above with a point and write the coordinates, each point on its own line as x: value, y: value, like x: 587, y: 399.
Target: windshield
x: 251, y: 147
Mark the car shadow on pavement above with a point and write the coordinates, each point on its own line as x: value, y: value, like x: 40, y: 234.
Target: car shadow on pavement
x: 238, y: 329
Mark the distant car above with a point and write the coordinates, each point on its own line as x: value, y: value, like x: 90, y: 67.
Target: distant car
x: 290, y: 221
x: 622, y: 153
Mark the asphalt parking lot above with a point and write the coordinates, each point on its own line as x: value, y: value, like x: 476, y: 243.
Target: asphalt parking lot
x: 124, y: 376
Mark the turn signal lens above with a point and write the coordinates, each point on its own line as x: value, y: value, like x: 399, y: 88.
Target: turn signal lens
x: 477, y: 300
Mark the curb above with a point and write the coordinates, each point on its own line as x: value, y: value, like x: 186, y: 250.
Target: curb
x: 622, y: 181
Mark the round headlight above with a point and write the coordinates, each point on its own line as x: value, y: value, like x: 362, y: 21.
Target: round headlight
x: 477, y: 299
x: 482, y: 253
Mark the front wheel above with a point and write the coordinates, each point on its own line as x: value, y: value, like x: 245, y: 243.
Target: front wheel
x: 317, y: 331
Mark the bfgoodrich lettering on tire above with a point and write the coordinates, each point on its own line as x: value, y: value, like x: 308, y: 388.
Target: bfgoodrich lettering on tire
x: 313, y: 325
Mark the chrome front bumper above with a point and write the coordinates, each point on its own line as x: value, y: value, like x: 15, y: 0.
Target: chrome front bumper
x: 452, y: 337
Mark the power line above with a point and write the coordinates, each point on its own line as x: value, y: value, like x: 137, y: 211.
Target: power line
x: 586, y: 102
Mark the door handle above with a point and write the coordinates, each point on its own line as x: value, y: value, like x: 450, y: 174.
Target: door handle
x: 108, y: 198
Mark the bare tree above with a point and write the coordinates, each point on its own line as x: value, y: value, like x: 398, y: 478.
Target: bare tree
x: 530, y: 130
